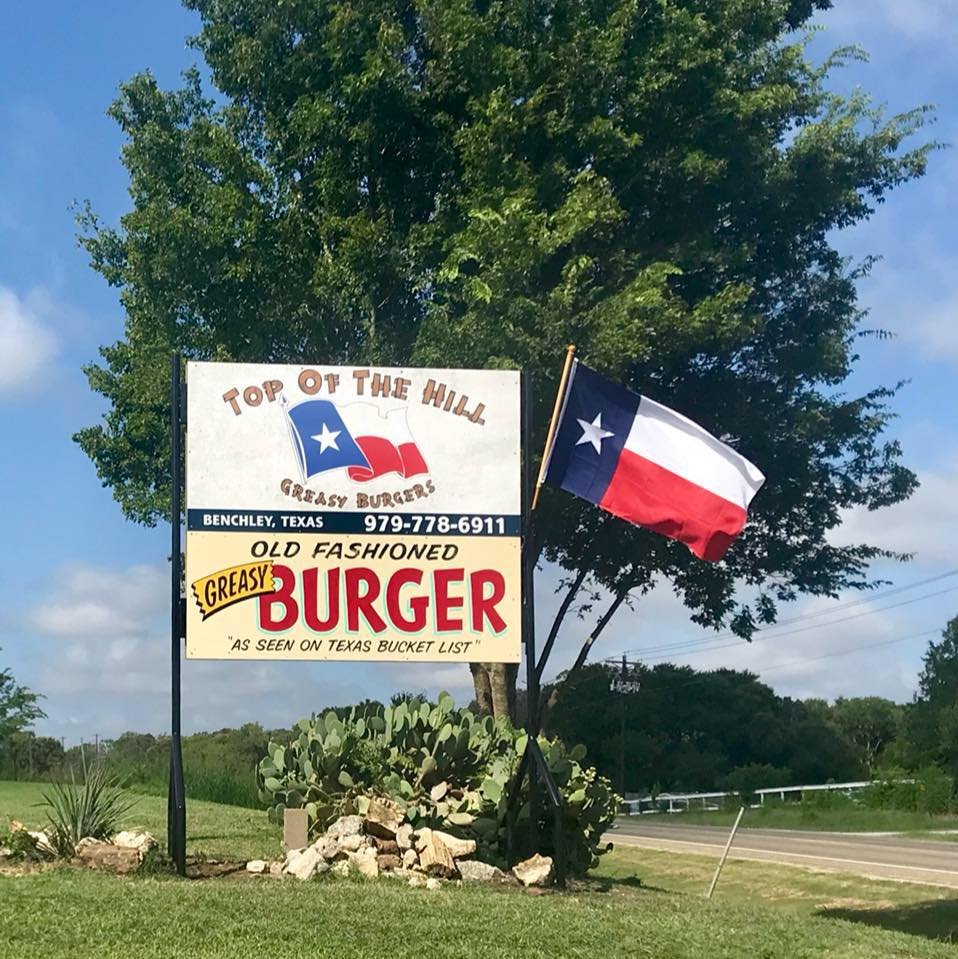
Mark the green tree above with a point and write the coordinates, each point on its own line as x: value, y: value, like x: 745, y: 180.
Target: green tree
x: 478, y: 184
x: 19, y: 707
x: 932, y: 720
x: 689, y: 730
x: 27, y: 756
x: 869, y: 722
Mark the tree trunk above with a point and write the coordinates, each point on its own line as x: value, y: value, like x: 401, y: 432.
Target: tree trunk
x: 495, y: 686
x: 503, y: 680
x: 482, y: 686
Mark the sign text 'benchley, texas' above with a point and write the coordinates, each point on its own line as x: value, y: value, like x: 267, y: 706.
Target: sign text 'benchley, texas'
x: 352, y: 513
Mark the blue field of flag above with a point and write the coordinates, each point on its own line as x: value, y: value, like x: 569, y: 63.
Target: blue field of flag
x: 321, y: 438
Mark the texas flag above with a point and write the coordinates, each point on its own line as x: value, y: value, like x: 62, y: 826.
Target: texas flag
x: 649, y: 465
x: 355, y: 437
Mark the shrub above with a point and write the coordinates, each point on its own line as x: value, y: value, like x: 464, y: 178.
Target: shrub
x: 936, y: 792
x: 23, y: 847
x: 446, y: 767
x: 829, y: 800
x: 94, y: 809
x: 745, y: 780
x: 221, y: 787
x: 929, y: 790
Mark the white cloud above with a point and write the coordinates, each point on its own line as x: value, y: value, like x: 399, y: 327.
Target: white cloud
x: 858, y: 654
x: 796, y: 663
x: 914, y: 20
x: 106, y: 664
x: 913, y: 295
x: 96, y: 601
x: 103, y: 643
x: 919, y: 525
x: 27, y: 344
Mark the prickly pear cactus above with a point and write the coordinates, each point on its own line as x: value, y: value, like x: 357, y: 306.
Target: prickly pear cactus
x: 446, y: 767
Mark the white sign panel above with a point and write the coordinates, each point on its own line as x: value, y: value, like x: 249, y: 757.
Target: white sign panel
x: 352, y: 513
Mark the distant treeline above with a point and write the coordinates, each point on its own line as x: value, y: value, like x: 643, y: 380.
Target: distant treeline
x: 725, y: 730
x: 684, y: 730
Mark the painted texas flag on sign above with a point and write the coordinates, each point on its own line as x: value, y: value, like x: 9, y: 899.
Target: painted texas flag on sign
x: 649, y: 465
x: 354, y: 437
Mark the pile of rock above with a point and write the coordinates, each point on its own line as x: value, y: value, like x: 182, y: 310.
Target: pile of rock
x: 381, y: 842
x: 40, y: 839
x: 122, y: 854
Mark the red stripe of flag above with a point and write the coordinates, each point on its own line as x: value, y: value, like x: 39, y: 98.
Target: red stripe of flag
x: 384, y: 457
x: 645, y: 493
x: 413, y: 462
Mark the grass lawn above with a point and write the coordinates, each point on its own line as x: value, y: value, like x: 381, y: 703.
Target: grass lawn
x: 930, y: 911
x: 807, y: 817
x: 214, y: 831
x: 644, y: 903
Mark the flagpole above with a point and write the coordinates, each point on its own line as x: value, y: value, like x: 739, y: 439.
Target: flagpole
x: 550, y: 436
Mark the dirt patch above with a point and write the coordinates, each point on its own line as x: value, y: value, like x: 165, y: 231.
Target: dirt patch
x: 9, y: 867
x: 203, y: 869
x: 858, y: 904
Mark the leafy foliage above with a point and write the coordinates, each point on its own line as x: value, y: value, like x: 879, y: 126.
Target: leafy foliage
x: 929, y: 790
x: 446, y: 767
x: 93, y: 808
x: 479, y: 184
x: 218, y: 766
x: 870, y: 722
x: 690, y: 730
x: 932, y: 720
x: 23, y: 847
x: 19, y: 707
x: 24, y: 755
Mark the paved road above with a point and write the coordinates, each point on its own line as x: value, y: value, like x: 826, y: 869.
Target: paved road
x: 881, y: 856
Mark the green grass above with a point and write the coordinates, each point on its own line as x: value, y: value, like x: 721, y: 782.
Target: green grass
x: 67, y: 913
x: 930, y: 911
x: 807, y: 816
x: 213, y: 830
x: 641, y: 903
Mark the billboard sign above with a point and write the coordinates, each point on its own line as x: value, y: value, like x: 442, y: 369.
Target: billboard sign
x: 352, y: 513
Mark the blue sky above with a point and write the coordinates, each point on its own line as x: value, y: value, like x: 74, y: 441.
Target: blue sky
x: 83, y: 604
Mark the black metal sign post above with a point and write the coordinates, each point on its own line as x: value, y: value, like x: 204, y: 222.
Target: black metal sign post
x: 528, y: 606
x: 176, y: 801
x: 533, y: 763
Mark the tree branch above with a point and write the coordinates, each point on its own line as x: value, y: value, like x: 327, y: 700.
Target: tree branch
x: 619, y: 599
x: 559, y: 617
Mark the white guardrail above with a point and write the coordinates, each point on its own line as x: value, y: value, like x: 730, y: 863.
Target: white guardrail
x: 681, y: 802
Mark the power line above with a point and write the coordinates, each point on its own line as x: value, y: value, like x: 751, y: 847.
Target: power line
x: 862, y: 599
x: 775, y: 627
x: 854, y: 649
x: 814, y: 659
x: 776, y: 630
x: 691, y: 647
x: 710, y: 649
x: 663, y: 654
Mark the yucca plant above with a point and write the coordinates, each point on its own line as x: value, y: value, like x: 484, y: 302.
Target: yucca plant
x: 91, y: 808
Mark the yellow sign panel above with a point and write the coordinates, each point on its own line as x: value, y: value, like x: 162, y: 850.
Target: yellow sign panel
x: 345, y: 513
x: 356, y: 597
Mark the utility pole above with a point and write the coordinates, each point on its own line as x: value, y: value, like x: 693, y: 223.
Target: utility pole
x: 622, y: 736
x: 622, y: 685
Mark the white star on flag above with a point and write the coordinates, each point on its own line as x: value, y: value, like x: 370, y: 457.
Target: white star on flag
x: 326, y: 439
x: 593, y: 433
